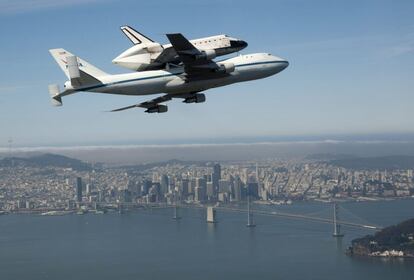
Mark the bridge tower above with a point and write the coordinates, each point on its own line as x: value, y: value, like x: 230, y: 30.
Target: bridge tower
x: 250, y: 222
x: 211, y: 215
x: 337, y: 227
x: 175, y: 213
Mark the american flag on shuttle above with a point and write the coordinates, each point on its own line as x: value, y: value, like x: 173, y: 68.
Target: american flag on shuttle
x: 62, y: 52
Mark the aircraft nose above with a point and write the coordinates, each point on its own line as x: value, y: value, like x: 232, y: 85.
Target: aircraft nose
x: 240, y: 44
x: 284, y: 64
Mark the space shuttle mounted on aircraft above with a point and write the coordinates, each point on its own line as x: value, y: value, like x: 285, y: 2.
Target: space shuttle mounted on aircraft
x: 149, y: 55
x: 195, y: 73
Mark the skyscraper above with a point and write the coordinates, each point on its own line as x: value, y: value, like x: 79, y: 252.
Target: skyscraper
x: 238, y: 185
x: 164, y: 184
x: 216, y: 176
x: 79, y: 189
x: 210, y: 191
x: 200, y: 190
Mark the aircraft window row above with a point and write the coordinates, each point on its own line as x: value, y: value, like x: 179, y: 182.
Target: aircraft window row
x: 209, y: 41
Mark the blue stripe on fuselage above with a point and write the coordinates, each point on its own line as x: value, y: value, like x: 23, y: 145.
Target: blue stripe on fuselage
x: 167, y: 75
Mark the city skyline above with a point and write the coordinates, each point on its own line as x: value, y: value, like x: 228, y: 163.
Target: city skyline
x: 369, y: 45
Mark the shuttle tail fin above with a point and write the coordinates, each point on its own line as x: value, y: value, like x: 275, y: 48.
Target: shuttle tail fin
x: 134, y: 36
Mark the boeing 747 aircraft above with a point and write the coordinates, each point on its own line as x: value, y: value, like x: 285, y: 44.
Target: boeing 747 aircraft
x: 149, y: 55
x: 197, y: 73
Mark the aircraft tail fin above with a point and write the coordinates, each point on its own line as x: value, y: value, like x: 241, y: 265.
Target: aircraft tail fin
x: 78, y: 71
x: 134, y: 36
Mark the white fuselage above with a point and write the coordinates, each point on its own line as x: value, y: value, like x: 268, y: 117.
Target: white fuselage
x: 247, y: 67
x: 146, y: 56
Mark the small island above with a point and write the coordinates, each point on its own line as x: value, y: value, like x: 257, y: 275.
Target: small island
x: 393, y: 241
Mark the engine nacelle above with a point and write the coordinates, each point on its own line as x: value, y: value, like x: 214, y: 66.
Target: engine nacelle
x: 196, y: 98
x: 154, y: 48
x: 226, y: 68
x: 157, y: 109
x: 206, y: 55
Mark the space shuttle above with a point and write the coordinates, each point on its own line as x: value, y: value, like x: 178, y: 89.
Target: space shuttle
x: 149, y: 55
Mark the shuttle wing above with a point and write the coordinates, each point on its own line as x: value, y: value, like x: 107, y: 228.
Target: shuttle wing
x: 197, y: 64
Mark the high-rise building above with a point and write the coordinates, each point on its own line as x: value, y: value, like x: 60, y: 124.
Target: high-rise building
x: 191, y: 186
x: 200, y: 189
x: 201, y: 183
x: 224, y: 186
x: 184, y: 187
x: 88, y: 189
x: 199, y: 194
x: 146, y: 185
x: 216, y: 176
x: 164, y: 184
x: 79, y: 189
x: 210, y: 191
x: 238, y: 185
x: 125, y: 196
x: 253, y: 190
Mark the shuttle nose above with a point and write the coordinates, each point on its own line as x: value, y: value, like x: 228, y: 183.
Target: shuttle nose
x: 240, y: 44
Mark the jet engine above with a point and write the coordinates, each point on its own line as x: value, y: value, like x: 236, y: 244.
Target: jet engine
x: 157, y: 109
x: 196, y: 98
x: 206, y: 55
x: 226, y: 68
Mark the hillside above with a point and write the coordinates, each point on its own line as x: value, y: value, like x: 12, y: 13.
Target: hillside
x: 376, y: 163
x: 45, y: 160
x: 398, y: 238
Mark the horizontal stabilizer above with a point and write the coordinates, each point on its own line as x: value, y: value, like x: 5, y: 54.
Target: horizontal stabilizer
x: 54, y: 94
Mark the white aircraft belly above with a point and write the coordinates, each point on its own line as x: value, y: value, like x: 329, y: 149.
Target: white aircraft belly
x: 138, y: 87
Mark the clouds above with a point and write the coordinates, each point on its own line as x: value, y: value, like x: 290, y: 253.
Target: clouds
x: 404, y: 46
x: 25, y: 6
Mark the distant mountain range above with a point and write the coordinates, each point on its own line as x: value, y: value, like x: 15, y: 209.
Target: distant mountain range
x: 44, y: 160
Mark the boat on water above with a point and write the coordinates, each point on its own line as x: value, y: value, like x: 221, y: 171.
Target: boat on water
x: 56, y: 213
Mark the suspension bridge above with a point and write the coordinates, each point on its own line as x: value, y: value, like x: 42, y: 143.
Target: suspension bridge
x: 211, y: 214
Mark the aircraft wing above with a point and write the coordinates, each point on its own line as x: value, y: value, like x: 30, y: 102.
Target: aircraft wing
x: 197, y: 64
x: 147, y: 104
x: 155, y: 106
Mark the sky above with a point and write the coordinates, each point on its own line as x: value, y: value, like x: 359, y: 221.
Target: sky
x: 351, y: 69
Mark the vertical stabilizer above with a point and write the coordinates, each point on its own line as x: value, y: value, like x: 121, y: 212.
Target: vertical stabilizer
x: 78, y: 71
x: 61, y: 57
x: 134, y: 36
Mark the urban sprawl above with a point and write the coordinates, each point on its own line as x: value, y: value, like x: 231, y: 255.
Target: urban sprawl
x: 47, y: 188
